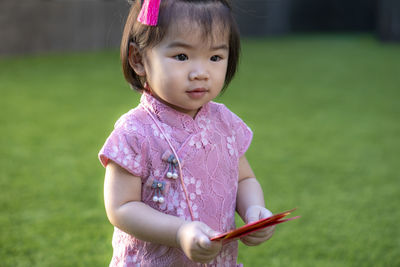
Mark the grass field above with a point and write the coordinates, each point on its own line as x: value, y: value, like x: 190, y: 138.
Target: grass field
x: 326, y: 117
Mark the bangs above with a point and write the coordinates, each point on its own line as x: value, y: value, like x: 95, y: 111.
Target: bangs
x: 212, y: 18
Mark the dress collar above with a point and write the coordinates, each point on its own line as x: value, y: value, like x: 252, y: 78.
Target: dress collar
x: 170, y: 116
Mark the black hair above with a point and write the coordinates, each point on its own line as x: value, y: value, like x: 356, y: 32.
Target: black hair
x: 203, y: 12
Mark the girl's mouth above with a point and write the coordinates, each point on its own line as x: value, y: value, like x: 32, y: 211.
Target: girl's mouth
x: 197, y: 93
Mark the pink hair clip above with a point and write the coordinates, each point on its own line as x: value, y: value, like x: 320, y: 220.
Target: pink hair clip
x: 149, y: 13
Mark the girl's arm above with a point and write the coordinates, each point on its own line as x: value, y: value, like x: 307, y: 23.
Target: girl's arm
x: 250, y: 203
x: 122, y: 196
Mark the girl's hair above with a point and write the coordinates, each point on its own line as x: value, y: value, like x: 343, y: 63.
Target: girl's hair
x: 206, y: 13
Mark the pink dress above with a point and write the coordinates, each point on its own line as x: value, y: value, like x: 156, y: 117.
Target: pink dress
x: 208, y: 147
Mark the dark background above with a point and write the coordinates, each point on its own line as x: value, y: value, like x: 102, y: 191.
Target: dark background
x: 30, y: 26
x: 272, y: 17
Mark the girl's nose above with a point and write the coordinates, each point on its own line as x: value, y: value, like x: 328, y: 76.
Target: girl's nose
x: 199, y: 74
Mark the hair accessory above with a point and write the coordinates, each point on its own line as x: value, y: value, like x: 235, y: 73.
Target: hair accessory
x: 149, y: 13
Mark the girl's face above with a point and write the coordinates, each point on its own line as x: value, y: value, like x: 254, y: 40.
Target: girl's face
x: 187, y: 69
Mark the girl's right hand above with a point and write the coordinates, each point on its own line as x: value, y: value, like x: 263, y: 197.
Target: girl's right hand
x: 194, y: 239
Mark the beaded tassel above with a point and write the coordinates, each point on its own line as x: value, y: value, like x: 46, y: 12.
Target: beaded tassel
x: 173, y: 164
x: 158, y: 187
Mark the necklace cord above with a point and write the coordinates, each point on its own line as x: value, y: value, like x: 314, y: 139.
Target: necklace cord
x: 177, y: 159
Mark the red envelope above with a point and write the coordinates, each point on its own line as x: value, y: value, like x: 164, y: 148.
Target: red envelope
x: 254, y: 226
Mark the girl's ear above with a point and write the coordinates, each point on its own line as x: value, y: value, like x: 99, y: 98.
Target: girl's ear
x: 135, y: 59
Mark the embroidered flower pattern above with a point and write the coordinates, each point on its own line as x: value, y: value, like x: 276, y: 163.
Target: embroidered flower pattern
x: 121, y: 154
x: 231, y: 145
x: 166, y: 128
x: 177, y: 199
x: 173, y: 195
x: 204, y: 123
x: 223, y: 260
x: 130, y: 126
x: 176, y: 202
x: 201, y: 140
x: 193, y: 186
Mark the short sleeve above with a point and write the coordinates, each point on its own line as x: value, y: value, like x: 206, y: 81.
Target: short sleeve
x: 240, y: 135
x: 126, y: 149
x: 243, y: 135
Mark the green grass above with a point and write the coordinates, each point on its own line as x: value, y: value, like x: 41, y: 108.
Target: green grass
x: 325, y: 113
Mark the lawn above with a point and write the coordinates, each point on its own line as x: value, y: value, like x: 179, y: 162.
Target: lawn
x: 326, y: 117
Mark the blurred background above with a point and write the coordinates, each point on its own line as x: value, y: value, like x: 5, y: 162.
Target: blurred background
x: 29, y: 26
x: 318, y: 83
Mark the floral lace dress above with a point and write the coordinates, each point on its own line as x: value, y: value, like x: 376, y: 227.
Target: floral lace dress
x: 208, y: 146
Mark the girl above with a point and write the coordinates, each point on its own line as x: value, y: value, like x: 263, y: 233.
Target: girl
x: 175, y: 165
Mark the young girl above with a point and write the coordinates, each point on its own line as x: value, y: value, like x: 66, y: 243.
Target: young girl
x: 176, y: 170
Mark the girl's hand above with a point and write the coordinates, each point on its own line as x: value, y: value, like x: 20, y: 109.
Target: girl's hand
x: 194, y: 239
x: 255, y: 213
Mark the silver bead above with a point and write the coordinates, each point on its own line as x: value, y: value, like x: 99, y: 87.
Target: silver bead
x: 155, y: 199
x: 174, y: 175
x: 169, y: 174
x: 161, y: 199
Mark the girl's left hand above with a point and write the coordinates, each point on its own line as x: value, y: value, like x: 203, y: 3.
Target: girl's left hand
x: 255, y: 213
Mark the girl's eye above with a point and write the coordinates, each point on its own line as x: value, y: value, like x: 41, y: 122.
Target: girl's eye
x: 181, y: 57
x: 215, y: 58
